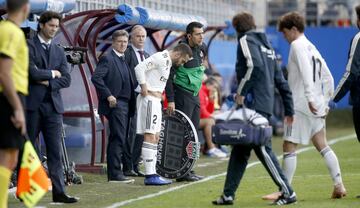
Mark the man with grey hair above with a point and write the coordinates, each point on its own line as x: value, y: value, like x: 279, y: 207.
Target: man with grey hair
x: 134, y: 55
x: 115, y: 84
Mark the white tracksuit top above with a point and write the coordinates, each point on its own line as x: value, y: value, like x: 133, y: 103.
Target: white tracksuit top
x: 309, y: 77
x: 154, y: 71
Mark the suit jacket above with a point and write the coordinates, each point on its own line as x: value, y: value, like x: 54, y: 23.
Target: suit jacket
x: 108, y: 79
x: 132, y: 61
x: 40, y: 70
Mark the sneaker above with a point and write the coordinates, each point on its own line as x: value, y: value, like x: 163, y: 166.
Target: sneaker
x: 63, y: 198
x: 215, y: 152
x: 121, y: 179
x: 199, y: 177
x: 282, y: 200
x: 224, y: 200
x: 224, y: 149
x: 130, y: 173
x: 156, y: 180
x: 190, y: 177
x: 272, y: 196
x: 11, y: 185
x: 339, y: 191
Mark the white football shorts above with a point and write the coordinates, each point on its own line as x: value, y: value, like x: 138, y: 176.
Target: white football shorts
x: 303, y: 128
x: 149, y: 114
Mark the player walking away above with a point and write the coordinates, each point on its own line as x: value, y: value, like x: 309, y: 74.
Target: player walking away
x: 152, y: 75
x: 312, y: 86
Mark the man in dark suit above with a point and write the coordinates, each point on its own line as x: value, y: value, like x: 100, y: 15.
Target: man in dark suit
x: 134, y: 54
x: 115, y: 85
x: 48, y: 74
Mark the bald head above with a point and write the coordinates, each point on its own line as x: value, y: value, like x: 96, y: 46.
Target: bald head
x: 138, y: 36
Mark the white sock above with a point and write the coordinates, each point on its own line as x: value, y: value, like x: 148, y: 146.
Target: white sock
x: 289, y: 165
x: 332, y: 164
x: 148, y: 153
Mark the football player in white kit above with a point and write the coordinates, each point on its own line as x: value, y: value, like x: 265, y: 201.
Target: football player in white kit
x: 152, y: 75
x: 312, y: 86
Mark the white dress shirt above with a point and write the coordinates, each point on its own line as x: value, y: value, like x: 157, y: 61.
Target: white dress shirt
x: 118, y: 54
x: 42, y: 41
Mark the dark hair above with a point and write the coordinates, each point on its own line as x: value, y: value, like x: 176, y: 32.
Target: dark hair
x: 291, y: 19
x: 119, y: 33
x: 243, y: 22
x: 216, y: 74
x: 184, y: 49
x: 48, y: 16
x: 15, y: 5
x: 212, y: 81
x: 357, y: 9
x: 190, y: 27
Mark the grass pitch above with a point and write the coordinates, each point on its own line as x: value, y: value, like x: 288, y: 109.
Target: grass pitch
x: 312, y: 182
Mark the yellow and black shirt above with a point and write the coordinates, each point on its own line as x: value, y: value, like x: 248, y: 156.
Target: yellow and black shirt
x: 13, y: 44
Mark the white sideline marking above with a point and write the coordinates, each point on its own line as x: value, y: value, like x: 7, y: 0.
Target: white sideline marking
x: 212, y: 163
x: 126, y: 202
x: 310, y: 176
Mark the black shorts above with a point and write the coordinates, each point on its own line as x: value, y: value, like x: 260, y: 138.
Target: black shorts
x: 10, y: 137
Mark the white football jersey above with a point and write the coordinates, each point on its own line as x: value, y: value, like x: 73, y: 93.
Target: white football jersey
x: 154, y: 71
x: 309, y: 77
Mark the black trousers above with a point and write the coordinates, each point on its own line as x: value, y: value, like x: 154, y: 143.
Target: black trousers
x: 239, y: 159
x: 118, y: 124
x: 10, y: 136
x: 47, y: 121
x: 237, y: 165
x: 356, y: 120
x: 133, y: 145
x: 189, y: 104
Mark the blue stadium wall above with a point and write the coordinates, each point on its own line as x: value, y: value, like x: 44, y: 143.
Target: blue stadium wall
x: 333, y: 44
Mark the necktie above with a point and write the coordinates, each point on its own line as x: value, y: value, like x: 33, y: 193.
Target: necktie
x: 45, y: 46
x: 141, y: 55
x: 46, y: 49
